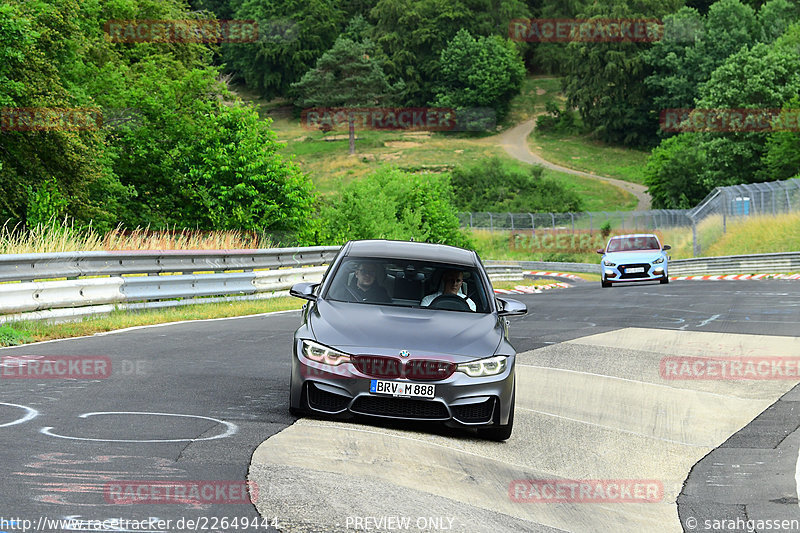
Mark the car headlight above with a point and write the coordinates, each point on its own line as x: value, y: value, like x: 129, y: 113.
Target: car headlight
x: 609, y: 263
x: 659, y: 260
x: 323, y: 354
x: 484, y: 367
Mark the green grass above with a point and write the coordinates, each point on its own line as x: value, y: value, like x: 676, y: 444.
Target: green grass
x: 578, y: 152
x: 16, y: 333
x: 330, y: 166
x: 596, y: 195
x: 582, y: 153
x: 755, y: 235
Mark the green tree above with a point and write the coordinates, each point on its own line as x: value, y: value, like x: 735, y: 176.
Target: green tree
x: 730, y: 26
x: 272, y: 63
x: 346, y: 76
x: 551, y: 57
x: 479, y: 72
x: 673, y: 170
x: 413, y: 33
x: 675, y: 62
x: 781, y: 158
x: 766, y: 76
x: 46, y: 204
x: 236, y: 180
x: 42, y: 46
x: 605, y: 80
x: 672, y: 173
x: 763, y: 77
x: 193, y: 157
x: 775, y: 18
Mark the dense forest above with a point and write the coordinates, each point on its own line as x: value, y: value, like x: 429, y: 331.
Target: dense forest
x: 178, y: 148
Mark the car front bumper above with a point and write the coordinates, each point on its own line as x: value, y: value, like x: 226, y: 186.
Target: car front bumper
x: 623, y: 273
x: 459, y: 400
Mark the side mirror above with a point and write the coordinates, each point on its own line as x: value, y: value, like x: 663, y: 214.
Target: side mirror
x: 601, y: 251
x: 509, y: 307
x: 666, y: 247
x: 304, y: 290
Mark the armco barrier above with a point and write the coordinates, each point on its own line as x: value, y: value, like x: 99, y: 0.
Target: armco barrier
x: 148, y: 279
x: 737, y: 264
x: 732, y: 264
x: 28, y: 267
x: 137, y: 280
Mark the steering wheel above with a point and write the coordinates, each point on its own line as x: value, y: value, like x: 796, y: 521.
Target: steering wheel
x: 451, y: 302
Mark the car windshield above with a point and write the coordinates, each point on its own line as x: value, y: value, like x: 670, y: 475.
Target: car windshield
x: 407, y: 283
x: 633, y: 244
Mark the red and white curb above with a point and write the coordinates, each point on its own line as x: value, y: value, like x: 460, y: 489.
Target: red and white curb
x: 738, y: 277
x: 553, y: 275
x: 532, y: 289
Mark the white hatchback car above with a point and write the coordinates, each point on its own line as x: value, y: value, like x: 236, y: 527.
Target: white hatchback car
x: 638, y: 257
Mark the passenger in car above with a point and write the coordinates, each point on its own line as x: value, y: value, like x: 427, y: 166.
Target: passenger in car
x: 451, y: 284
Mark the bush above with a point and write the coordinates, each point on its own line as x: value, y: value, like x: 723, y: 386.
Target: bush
x: 392, y: 204
x: 557, y: 120
x: 498, y: 185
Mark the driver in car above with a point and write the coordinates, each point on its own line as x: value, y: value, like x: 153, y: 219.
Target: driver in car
x: 451, y: 284
x: 367, y: 288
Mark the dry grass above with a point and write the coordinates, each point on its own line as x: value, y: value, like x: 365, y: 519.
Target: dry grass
x: 68, y: 238
x: 757, y: 235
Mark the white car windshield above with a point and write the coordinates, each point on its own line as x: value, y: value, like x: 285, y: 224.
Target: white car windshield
x: 633, y: 244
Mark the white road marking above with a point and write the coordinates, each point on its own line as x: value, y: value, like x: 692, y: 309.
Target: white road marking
x: 706, y: 321
x: 31, y: 414
x: 232, y: 428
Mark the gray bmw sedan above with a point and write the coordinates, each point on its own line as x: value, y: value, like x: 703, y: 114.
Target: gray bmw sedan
x: 406, y: 330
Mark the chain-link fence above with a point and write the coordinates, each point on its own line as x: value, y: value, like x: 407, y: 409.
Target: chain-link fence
x: 592, y: 221
x: 735, y: 201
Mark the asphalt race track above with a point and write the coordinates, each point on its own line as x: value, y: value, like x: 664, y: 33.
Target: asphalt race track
x: 198, y: 401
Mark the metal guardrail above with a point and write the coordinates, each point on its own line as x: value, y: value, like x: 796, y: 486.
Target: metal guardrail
x: 28, y: 267
x: 732, y: 264
x: 136, y: 280
x: 98, y: 282
x: 737, y: 264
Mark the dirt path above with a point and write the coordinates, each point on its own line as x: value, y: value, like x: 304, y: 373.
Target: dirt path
x: 515, y: 143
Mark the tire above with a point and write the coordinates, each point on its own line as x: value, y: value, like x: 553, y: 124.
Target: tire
x: 664, y: 280
x: 298, y: 412
x: 500, y: 433
x: 605, y: 284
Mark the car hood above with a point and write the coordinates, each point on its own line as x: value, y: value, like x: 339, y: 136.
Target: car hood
x: 633, y: 257
x: 385, y: 330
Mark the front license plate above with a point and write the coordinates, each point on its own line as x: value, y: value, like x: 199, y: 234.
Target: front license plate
x: 396, y: 388
x: 635, y: 270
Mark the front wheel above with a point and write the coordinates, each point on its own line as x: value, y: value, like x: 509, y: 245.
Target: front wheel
x: 605, y: 284
x: 500, y: 433
x: 664, y: 280
x: 298, y: 412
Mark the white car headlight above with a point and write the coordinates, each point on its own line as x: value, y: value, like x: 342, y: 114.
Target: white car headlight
x: 658, y: 261
x: 323, y: 354
x: 484, y: 367
x: 609, y: 263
